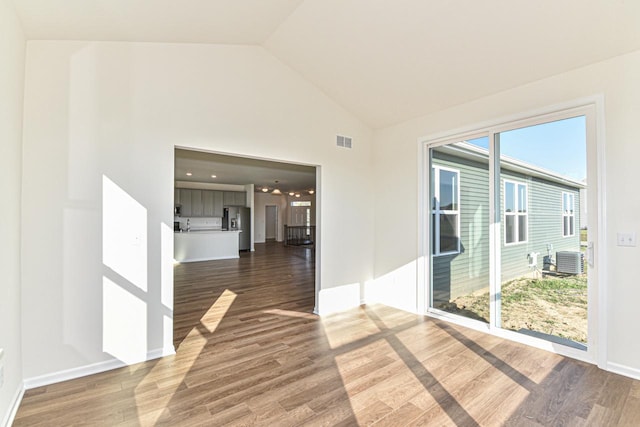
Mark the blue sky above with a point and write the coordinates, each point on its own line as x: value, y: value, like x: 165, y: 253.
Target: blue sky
x: 558, y: 146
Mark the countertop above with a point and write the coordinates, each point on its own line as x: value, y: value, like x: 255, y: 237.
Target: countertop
x: 207, y: 230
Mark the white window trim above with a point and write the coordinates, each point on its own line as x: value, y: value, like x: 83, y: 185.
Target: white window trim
x: 593, y: 108
x: 437, y: 211
x: 565, y: 214
x: 515, y: 214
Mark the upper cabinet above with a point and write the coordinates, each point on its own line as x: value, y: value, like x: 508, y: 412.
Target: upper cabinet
x: 229, y: 198
x: 197, y: 209
x: 240, y: 198
x: 235, y: 198
x: 185, y: 201
x: 218, y: 204
x: 207, y: 203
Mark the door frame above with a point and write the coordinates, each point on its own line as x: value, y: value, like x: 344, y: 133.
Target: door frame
x: 593, y: 109
x: 318, y: 202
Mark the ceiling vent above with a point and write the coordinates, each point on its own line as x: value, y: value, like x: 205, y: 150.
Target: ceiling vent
x: 343, y: 141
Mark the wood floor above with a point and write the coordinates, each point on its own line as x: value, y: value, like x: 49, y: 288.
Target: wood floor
x: 249, y: 352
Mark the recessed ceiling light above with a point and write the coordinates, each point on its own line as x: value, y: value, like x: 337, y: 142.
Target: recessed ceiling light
x: 265, y: 189
x: 311, y: 191
x: 292, y: 193
x: 297, y: 195
x: 189, y: 174
x: 213, y: 176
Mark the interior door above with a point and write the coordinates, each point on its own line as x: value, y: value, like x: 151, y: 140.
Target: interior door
x: 270, y: 222
x: 299, y: 215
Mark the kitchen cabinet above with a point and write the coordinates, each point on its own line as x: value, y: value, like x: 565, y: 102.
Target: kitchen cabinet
x: 196, y: 203
x: 176, y: 196
x: 185, y: 201
x: 218, y: 204
x: 201, y: 203
x: 207, y: 203
x: 229, y: 198
x: 240, y: 198
x: 212, y: 204
x: 235, y: 198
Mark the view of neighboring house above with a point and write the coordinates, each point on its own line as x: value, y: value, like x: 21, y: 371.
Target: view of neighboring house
x: 540, y: 214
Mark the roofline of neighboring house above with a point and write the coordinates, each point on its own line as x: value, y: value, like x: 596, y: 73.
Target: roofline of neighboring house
x: 473, y: 152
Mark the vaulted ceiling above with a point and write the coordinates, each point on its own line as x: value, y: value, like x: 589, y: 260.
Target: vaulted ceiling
x: 385, y: 61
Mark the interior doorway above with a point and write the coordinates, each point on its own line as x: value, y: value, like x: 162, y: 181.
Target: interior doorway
x: 271, y: 223
x: 213, y: 185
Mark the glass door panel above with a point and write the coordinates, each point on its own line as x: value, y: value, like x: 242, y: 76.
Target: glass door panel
x: 459, y: 229
x: 543, y: 235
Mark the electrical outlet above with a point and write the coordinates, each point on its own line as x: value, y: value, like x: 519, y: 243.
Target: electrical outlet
x: 626, y: 239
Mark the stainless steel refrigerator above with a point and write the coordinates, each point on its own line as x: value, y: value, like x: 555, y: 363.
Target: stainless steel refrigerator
x: 239, y: 218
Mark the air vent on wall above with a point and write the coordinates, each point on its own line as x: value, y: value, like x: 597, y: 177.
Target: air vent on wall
x: 343, y: 141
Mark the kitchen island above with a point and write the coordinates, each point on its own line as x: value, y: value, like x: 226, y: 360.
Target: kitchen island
x: 205, y: 245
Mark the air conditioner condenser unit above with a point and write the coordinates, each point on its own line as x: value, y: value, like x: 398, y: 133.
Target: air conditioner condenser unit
x: 569, y: 262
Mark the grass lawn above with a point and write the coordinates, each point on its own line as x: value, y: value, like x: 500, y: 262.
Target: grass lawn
x: 551, y: 305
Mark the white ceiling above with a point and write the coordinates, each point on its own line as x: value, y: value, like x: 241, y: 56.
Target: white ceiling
x: 385, y: 61
x: 242, y: 171
x: 185, y: 21
x: 389, y: 61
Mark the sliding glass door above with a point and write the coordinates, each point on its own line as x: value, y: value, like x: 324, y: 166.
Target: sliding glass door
x: 510, y: 231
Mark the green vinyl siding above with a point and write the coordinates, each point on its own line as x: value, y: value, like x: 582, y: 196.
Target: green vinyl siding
x: 468, y: 271
x: 544, y: 225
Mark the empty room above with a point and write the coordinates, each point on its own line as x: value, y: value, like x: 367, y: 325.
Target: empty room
x: 311, y: 212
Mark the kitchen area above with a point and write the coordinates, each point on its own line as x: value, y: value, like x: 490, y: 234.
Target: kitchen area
x: 220, y: 203
x: 210, y: 224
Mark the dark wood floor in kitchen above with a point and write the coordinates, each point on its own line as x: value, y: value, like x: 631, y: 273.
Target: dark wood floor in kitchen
x: 249, y: 352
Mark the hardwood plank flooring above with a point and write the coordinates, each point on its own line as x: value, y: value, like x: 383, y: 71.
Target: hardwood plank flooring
x: 250, y: 352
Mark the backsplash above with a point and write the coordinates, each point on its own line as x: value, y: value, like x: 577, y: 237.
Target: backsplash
x: 197, y: 223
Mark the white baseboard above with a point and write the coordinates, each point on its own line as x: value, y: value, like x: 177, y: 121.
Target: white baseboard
x: 94, y: 368
x: 623, y: 370
x: 13, y: 408
x: 338, y: 298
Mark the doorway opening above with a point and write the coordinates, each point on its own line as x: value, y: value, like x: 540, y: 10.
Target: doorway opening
x: 210, y: 188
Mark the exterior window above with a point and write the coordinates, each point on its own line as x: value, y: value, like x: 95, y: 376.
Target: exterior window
x: 568, y: 215
x: 515, y: 212
x: 446, y: 211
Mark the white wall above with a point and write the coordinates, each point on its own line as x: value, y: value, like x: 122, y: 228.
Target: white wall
x: 12, y: 46
x: 265, y: 199
x: 396, y: 157
x: 108, y: 115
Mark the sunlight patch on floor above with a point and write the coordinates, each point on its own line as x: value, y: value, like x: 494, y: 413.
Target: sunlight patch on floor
x: 181, y: 363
